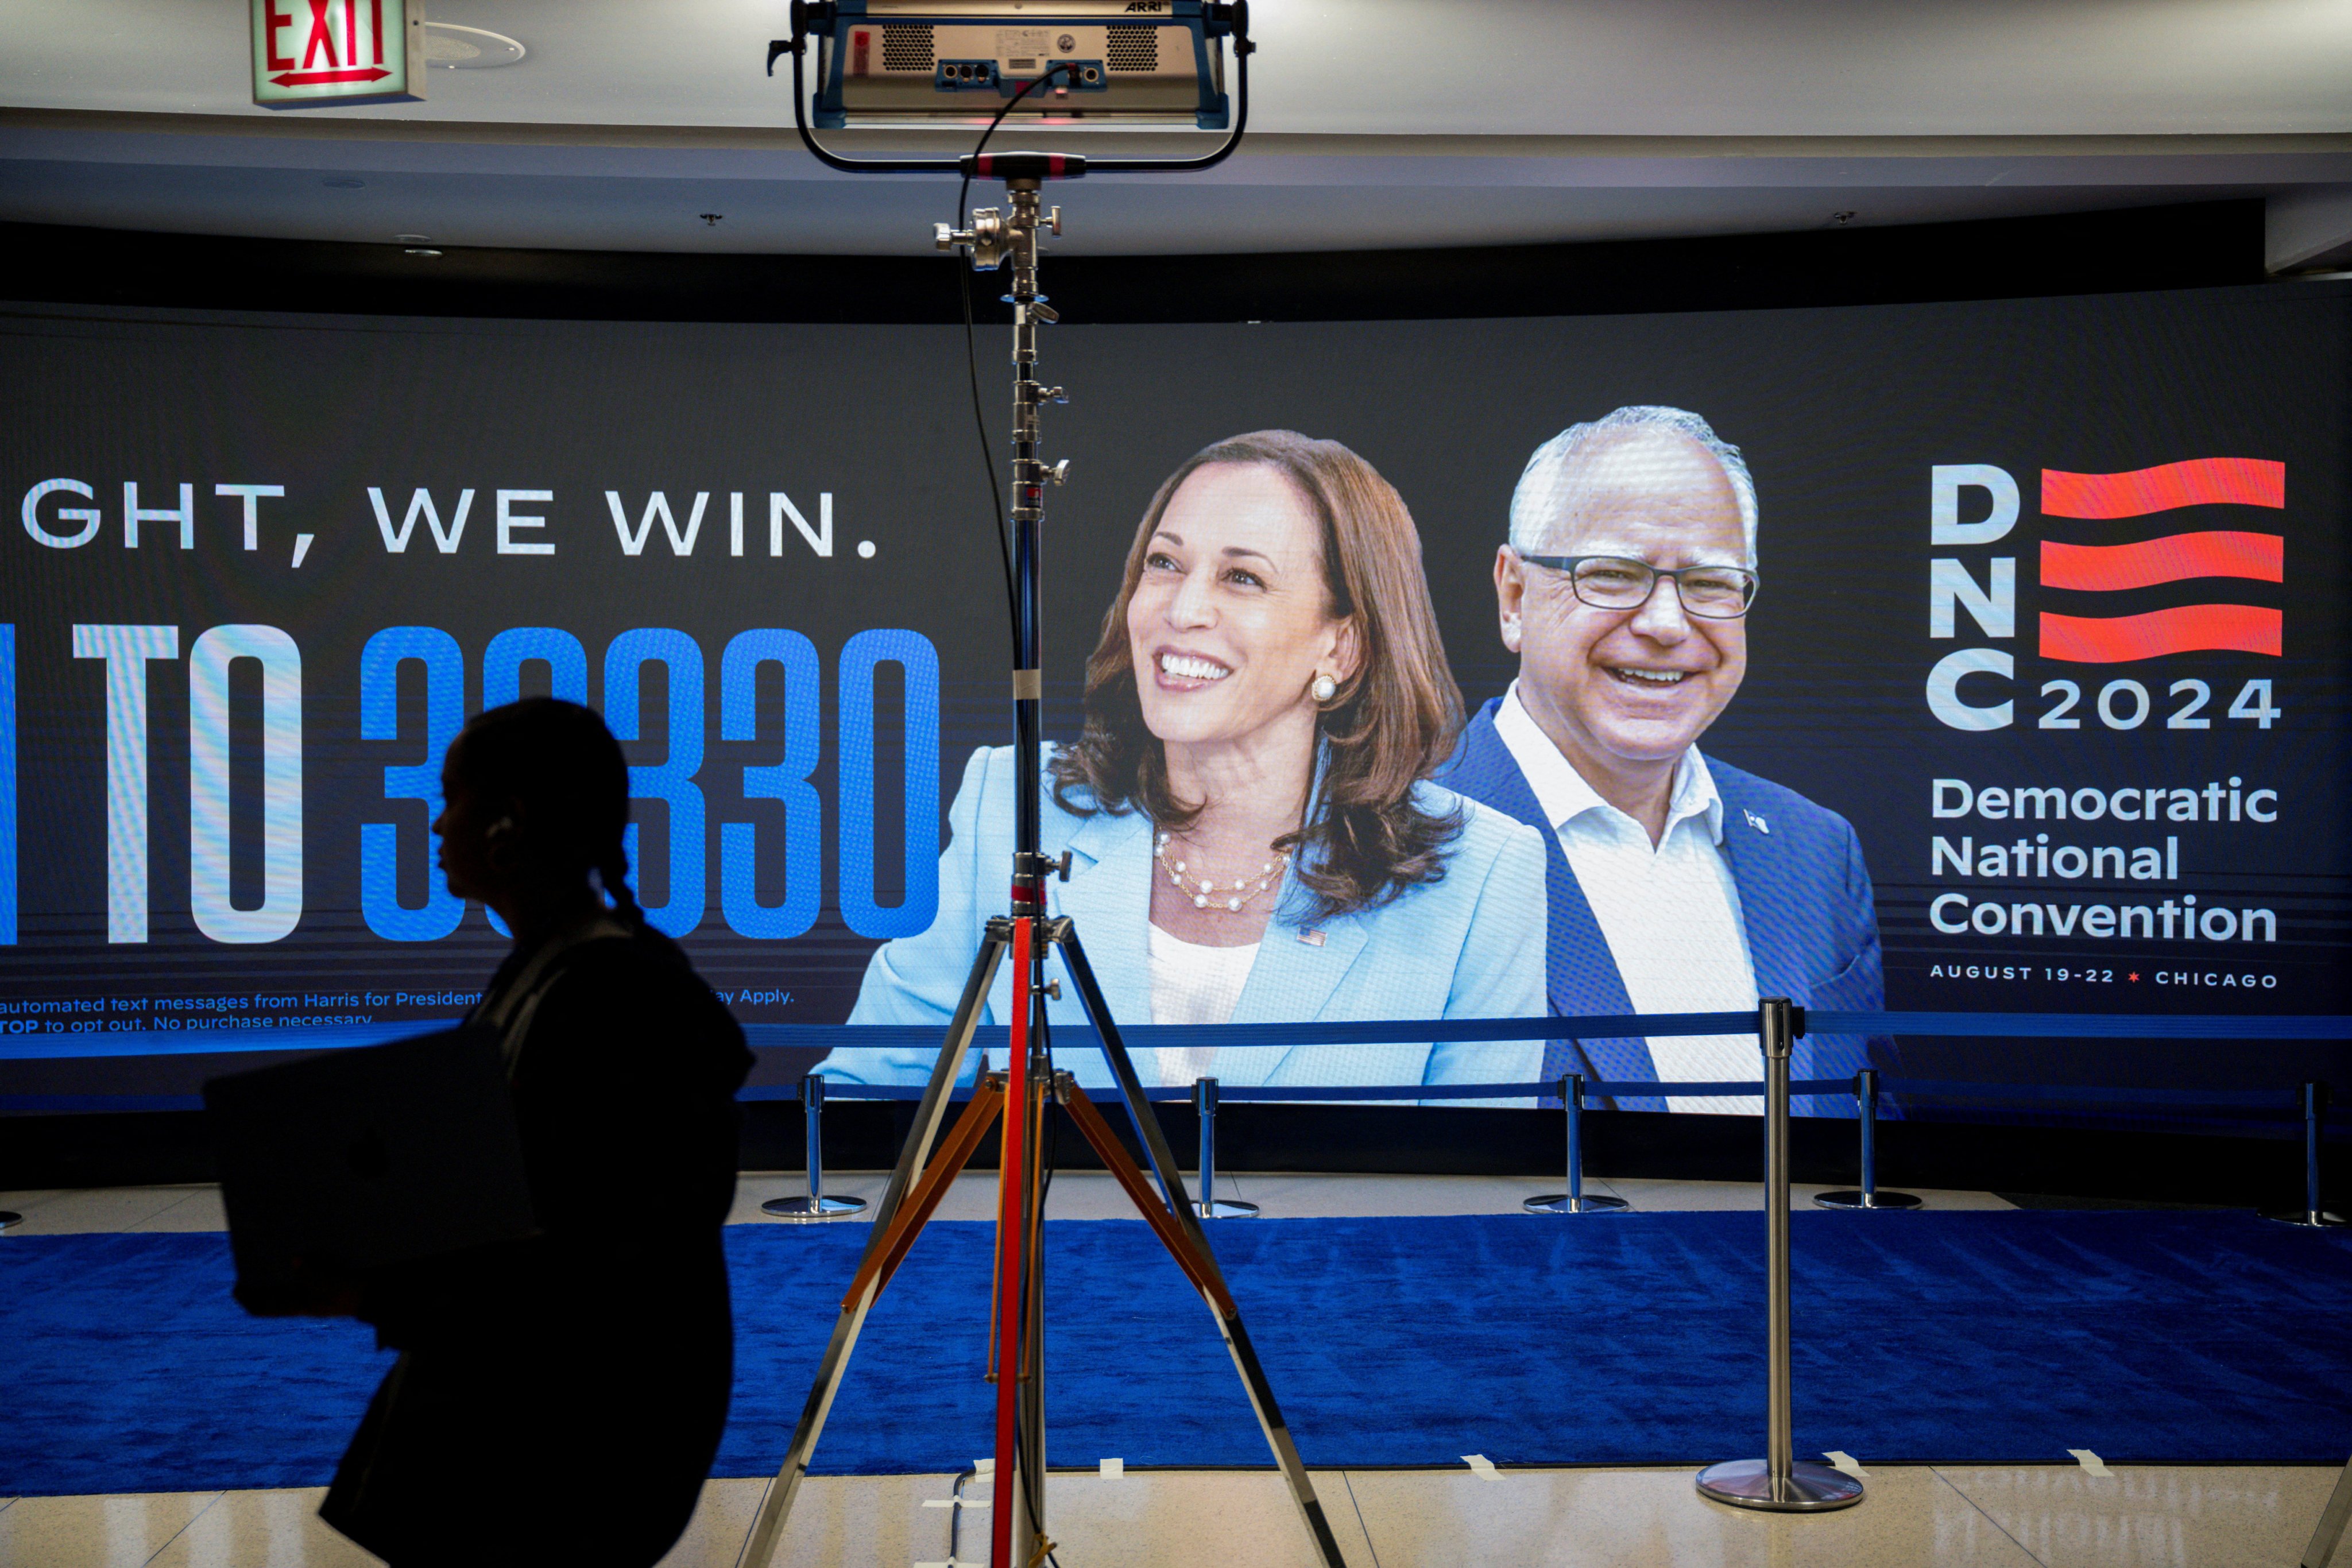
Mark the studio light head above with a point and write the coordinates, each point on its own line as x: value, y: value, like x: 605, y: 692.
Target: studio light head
x: 901, y: 62
x: 1045, y: 62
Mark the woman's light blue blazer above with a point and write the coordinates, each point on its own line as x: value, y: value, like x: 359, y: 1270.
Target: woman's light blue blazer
x: 1470, y: 946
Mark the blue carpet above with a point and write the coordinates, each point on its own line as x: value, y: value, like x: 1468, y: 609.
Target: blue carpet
x: 1634, y: 1338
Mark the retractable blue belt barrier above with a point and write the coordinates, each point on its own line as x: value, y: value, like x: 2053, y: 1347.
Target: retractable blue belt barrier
x: 1292, y: 1036
x: 2284, y: 1099
x: 1940, y: 1089
x: 1267, y: 1036
x: 2087, y: 1026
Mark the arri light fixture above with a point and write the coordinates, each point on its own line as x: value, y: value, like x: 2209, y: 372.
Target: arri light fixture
x: 885, y: 62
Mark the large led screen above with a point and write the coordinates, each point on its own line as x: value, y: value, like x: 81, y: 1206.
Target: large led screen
x: 2038, y: 705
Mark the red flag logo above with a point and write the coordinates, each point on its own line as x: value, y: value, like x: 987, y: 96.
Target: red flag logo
x: 2177, y: 558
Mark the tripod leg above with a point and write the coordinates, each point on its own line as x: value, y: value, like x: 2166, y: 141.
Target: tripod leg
x: 778, y: 1505
x: 1219, y: 1299
x: 1122, y: 1167
x: 2324, y: 1540
x: 1032, y: 1389
x: 881, y: 1262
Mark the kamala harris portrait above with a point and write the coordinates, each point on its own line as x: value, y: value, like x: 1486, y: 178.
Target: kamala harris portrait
x: 1253, y: 833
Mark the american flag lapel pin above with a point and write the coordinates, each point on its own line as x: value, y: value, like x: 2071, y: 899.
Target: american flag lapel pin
x: 1312, y: 938
x: 1754, y: 821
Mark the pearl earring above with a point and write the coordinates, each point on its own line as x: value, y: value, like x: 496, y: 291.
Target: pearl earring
x: 1323, y: 689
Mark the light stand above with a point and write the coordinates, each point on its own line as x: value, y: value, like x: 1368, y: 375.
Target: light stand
x: 1020, y: 1093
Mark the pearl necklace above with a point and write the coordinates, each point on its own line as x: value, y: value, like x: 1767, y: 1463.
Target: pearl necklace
x: 1238, y: 892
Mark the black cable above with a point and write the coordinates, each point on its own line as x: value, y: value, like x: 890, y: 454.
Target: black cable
x: 972, y: 367
x: 988, y: 449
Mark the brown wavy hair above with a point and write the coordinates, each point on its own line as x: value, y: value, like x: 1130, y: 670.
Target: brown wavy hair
x: 1389, y: 726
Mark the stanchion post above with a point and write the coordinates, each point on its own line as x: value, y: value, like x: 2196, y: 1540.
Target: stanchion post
x: 1205, y: 1102
x: 1779, y: 1482
x: 2314, y: 1127
x: 1573, y: 1201
x: 1868, y: 1196
x: 816, y: 1206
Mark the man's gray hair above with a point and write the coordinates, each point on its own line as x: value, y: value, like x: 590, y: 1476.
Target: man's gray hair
x: 1546, y: 484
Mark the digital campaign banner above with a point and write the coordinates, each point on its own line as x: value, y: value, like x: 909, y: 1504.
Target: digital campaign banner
x: 2038, y: 705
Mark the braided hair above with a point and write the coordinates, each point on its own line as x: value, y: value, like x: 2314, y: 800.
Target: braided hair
x: 557, y: 761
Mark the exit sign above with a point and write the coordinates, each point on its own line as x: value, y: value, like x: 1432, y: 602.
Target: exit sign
x: 309, y: 52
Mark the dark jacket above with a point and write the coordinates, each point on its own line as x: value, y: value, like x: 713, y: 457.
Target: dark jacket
x: 561, y: 1399
x: 1805, y: 898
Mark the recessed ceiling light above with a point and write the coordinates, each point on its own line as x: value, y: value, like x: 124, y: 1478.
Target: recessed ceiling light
x: 410, y: 239
x: 458, y: 48
x: 413, y: 251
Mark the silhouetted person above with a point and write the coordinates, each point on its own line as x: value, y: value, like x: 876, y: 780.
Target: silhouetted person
x: 560, y: 1400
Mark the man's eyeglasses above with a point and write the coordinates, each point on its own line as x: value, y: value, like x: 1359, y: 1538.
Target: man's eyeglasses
x: 1619, y: 582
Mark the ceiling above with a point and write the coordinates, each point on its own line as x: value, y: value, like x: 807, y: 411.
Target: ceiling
x: 1544, y: 120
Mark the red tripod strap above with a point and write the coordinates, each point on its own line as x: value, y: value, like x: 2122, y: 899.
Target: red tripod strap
x: 924, y: 1201
x: 1115, y: 1160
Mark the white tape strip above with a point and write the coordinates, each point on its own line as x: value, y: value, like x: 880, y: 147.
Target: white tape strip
x: 1482, y: 1467
x: 1841, y: 1460
x: 984, y: 1466
x: 2091, y: 1462
x: 1112, y: 1469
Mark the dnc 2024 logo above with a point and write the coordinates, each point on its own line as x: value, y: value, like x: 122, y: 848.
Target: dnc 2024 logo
x: 2124, y: 595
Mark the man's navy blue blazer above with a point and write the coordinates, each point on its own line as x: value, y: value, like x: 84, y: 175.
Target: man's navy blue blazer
x: 1804, y: 897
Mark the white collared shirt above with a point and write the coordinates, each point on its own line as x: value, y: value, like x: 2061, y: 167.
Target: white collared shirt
x: 1670, y: 911
x: 1195, y: 986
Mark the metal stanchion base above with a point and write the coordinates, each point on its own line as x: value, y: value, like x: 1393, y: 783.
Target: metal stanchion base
x: 2318, y: 1220
x: 1557, y: 1203
x: 802, y: 1209
x: 9, y: 1217
x: 1851, y: 1198
x: 1810, y: 1489
x: 1225, y: 1209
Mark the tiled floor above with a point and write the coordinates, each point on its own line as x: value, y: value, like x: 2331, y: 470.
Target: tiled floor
x: 2027, y: 1516
x: 58, y: 1213
x: 2018, y: 1517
